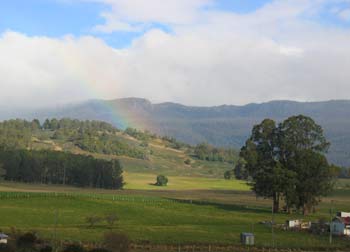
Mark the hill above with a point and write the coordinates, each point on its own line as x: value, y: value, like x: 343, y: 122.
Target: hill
x: 139, y: 152
x: 225, y: 125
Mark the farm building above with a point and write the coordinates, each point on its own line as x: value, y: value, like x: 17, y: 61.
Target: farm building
x: 343, y: 215
x: 3, y: 238
x: 293, y: 223
x: 340, y: 226
x: 247, y: 239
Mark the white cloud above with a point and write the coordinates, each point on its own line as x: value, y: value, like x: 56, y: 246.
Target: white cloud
x: 272, y: 53
x: 134, y: 14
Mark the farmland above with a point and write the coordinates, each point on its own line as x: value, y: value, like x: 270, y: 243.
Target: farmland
x: 187, y: 216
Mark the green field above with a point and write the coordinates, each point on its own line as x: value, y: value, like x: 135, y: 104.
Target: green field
x: 158, y: 216
x: 142, y: 181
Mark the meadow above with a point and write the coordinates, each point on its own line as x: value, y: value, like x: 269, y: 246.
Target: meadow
x: 158, y: 216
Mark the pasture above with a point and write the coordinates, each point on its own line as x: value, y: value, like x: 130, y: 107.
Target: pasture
x: 157, y: 216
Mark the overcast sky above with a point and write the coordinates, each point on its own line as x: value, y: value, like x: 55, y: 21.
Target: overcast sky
x: 195, y: 52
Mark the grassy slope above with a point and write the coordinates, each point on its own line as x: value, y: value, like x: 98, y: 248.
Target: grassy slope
x: 163, y: 160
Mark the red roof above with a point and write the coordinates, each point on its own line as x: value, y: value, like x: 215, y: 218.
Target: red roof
x: 346, y: 220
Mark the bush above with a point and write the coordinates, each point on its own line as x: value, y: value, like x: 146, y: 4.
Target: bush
x: 229, y: 174
x: 116, y: 242
x: 111, y: 218
x: 161, y: 180
x: 26, y: 240
x: 73, y: 247
x: 93, y: 220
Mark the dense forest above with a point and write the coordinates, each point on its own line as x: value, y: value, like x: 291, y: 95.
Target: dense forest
x: 52, y: 167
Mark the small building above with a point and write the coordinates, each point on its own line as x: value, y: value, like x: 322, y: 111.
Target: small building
x: 3, y: 238
x: 247, y: 239
x: 340, y: 226
x: 343, y: 215
x: 293, y: 223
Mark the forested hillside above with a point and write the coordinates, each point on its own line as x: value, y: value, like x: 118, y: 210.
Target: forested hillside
x: 138, y: 151
x: 220, y: 126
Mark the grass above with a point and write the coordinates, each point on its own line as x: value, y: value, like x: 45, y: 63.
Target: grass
x: 152, y: 219
x: 144, y: 181
x: 158, y: 216
x: 168, y: 161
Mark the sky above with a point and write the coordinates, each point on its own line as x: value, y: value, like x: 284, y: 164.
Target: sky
x: 194, y: 52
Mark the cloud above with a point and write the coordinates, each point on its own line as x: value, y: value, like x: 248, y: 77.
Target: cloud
x: 133, y: 15
x: 275, y: 52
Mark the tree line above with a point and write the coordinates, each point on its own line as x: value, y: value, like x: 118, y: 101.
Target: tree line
x: 208, y: 152
x: 51, y: 167
x: 286, y: 161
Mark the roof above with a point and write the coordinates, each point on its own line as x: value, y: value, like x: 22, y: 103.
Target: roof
x: 3, y: 236
x: 345, y: 220
x: 247, y: 234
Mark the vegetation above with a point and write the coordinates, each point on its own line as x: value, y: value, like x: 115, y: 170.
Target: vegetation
x: 207, y: 152
x: 161, y: 180
x: 287, y: 161
x: 52, y: 167
x: 214, y: 217
x: 91, y: 136
x: 138, y: 151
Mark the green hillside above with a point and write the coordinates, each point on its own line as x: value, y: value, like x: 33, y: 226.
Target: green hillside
x: 139, y: 152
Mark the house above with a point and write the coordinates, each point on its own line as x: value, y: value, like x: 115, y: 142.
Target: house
x: 293, y: 223
x: 340, y: 226
x: 3, y: 238
x: 343, y: 214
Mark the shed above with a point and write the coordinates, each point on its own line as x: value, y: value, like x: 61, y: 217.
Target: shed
x: 340, y: 226
x: 247, y: 239
x: 293, y: 223
x: 3, y: 238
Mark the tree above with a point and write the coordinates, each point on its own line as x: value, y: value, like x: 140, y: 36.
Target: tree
x: 47, y: 124
x: 262, y: 166
x: 229, y: 174
x: 162, y: 180
x: 111, y: 218
x: 93, y: 220
x: 288, y: 162
x: 240, y: 171
x: 36, y: 124
x: 302, y: 147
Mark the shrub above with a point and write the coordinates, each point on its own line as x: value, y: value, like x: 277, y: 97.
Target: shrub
x: 26, y: 240
x: 92, y: 220
x: 116, y: 242
x: 229, y: 174
x: 161, y: 180
x: 111, y: 218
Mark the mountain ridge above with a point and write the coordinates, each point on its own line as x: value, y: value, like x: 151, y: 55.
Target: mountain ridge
x: 224, y: 125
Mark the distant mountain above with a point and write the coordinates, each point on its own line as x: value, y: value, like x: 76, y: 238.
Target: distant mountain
x: 225, y: 125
